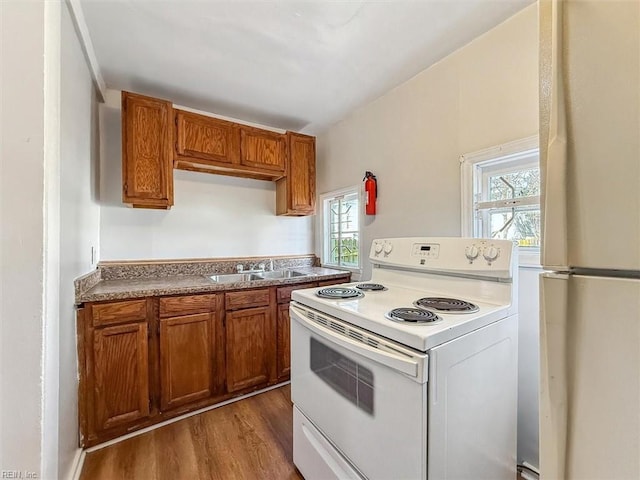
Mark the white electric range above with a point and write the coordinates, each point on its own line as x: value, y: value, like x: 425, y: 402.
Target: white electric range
x: 412, y: 374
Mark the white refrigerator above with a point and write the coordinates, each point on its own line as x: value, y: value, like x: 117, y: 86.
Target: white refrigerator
x: 590, y: 296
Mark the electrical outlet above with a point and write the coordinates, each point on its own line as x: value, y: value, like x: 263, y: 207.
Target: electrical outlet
x: 94, y: 255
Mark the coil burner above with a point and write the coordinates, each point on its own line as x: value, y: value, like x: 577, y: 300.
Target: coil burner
x: 413, y: 315
x: 339, y: 293
x: 374, y: 287
x: 447, y: 305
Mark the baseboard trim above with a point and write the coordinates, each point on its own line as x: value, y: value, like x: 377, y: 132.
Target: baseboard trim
x: 181, y: 417
x: 78, y: 462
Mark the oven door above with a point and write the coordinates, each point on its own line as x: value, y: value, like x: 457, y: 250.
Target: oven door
x: 367, y: 396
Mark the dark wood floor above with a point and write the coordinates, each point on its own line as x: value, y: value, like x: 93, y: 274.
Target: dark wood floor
x: 249, y: 439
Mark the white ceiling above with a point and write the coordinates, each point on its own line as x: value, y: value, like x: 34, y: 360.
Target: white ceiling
x: 298, y: 65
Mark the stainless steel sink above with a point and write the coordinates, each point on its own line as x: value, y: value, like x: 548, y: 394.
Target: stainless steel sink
x: 281, y: 274
x: 235, y: 277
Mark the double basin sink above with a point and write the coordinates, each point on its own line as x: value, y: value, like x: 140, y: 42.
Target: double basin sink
x: 256, y: 276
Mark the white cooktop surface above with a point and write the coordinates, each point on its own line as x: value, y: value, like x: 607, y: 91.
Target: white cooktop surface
x: 368, y: 312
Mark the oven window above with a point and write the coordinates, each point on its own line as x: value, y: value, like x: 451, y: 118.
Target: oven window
x: 351, y: 380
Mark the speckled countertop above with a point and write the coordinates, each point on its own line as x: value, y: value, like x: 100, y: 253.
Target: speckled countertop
x: 94, y: 287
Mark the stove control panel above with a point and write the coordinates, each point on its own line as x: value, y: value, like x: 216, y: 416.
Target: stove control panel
x: 472, y: 256
x: 426, y: 250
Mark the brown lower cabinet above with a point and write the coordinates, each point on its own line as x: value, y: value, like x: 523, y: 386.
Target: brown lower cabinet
x: 120, y: 374
x: 250, y: 346
x: 143, y: 361
x: 187, y: 360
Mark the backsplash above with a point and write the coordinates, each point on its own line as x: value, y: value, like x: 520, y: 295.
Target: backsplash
x: 208, y: 266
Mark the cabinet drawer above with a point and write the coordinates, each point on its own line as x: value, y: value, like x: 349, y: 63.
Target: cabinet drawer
x: 119, y: 312
x: 336, y: 281
x: 284, y: 293
x: 186, y: 305
x: 246, y: 299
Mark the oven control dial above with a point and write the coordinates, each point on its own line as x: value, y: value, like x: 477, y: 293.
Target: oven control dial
x: 472, y: 252
x: 377, y: 247
x: 387, y: 248
x: 490, y: 253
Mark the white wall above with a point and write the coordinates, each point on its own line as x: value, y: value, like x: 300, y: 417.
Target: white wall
x: 48, y: 220
x: 51, y: 239
x: 484, y: 94
x: 22, y: 229
x: 79, y: 221
x: 213, y: 215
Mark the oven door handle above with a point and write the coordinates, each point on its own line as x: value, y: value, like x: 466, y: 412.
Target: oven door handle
x: 395, y: 361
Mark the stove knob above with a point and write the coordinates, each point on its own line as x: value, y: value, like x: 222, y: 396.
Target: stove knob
x: 377, y: 247
x: 472, y: 252
x: 490, y: 253
x: 387, y: 248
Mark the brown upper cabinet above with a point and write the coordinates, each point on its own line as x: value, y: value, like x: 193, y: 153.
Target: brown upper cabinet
x: 147, y: 151
x: 263, y: 150
x: 157, y: 138
x: 205, y: 138
x: 296, y: 193
x: 211, y: 145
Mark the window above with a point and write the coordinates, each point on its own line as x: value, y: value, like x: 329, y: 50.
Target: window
x: 340, y: 219
x: 501, y: 194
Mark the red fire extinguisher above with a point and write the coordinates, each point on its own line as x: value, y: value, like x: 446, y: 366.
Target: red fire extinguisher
x: 371, y: 192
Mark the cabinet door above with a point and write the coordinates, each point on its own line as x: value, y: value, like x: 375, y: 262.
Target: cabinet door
x: 186, y: 359
x: 250, y: 347
x: 147, y: 151
x: 296, y: 193
x: 121, y: 375
x: 301, y: 175
x: 263, y: 149
x: 283, y: 353
x: 206, y: 138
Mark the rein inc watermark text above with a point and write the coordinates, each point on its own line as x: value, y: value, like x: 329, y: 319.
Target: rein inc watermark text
x: 17, y: 474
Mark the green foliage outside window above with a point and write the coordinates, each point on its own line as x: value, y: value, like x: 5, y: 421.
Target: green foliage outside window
x: 343, y: 231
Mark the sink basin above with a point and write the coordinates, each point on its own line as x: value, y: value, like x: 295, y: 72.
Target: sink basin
x: 235, y: 277
x: 282, y: 274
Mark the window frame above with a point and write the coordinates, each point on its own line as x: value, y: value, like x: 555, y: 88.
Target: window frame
x: 322, y: 231
x: 507, y: 153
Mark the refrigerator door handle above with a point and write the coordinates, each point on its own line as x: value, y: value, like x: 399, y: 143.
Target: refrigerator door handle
x: 554, y: 291
x: 553, y: 138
